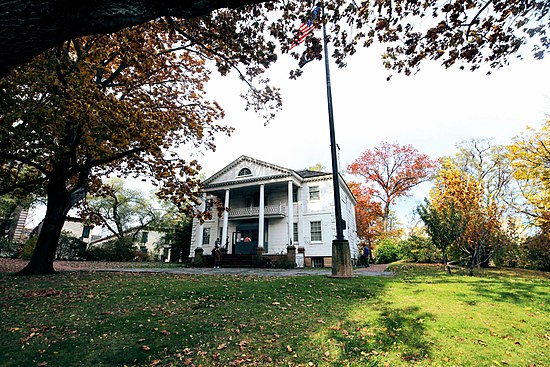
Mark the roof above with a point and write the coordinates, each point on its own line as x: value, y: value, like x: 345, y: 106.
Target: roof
x: 306, y: 173
x: 244, y: 158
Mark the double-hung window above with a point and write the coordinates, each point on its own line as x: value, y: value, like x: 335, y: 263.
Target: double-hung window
x: 314, y: 193
x: 205, y: 236
x: 315, y: 229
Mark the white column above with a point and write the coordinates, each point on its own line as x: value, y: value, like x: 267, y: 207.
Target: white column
x: 261, y: 218
x: 290, y: 213
x: 225, y: 215
x: 201, y: 226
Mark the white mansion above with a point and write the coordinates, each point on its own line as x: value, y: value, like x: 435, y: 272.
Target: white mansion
x: 273, y: 207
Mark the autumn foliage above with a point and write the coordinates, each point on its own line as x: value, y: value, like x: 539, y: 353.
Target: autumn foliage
x: 98, y: 106
x: 389, y: 172
x: 368, y: 214
x: 479, y: 220
x: 530, y: 156
x: 453, y: 32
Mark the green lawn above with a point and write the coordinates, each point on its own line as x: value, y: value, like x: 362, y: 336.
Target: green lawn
x: 419, y: 317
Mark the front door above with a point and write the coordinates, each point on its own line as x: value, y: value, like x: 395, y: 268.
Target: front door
x: 246, y: 238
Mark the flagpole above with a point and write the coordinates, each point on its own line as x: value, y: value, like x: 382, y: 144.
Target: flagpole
x: 341, y: 257
x: 335, y: 174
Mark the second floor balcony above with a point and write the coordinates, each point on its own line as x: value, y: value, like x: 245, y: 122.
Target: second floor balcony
x: 270, y: 211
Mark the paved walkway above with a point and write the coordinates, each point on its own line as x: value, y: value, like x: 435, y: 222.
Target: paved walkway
x: 14, y: 265
x: 373, y: 270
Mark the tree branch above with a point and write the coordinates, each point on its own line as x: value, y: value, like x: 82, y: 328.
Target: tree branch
x: 29, y: 27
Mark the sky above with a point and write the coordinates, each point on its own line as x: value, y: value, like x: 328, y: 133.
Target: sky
x: 432, y: 110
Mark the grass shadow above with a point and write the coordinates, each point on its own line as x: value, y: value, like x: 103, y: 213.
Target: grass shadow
x: 397, y: 331
x: 140, y: 319
x: 498, y: 285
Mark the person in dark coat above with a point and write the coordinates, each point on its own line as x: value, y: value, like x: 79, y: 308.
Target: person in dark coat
x: 217, y: 254
x: 366, y: 253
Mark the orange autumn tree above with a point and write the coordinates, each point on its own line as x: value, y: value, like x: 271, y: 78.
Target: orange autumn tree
x: 368, y: 214
x: 99, y: 106
x: 390, y: 171
x: 456, y: 191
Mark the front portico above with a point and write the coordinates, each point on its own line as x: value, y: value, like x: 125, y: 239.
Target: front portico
x: 258, y: 211
x: 268, y: 207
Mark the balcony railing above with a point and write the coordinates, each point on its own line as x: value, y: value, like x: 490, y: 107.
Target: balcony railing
x: 269, y: 210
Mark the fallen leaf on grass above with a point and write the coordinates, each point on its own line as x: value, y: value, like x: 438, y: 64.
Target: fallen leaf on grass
x: 42, y: 364
x: 145, y: 347
x: 222, y: 346
x: 243, y: 344
x: 267, y: 358
x: 27, y: 338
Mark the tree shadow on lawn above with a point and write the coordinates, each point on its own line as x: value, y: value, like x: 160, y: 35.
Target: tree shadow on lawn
x: 137, y: 319
x: 497, y: 288
x: 511, y: 292
x: 397, y: 331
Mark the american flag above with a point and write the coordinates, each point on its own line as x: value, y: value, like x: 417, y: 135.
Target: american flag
x: 306, y: 29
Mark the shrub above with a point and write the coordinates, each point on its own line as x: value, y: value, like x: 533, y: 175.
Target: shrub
x: 419, y: 249
x: 284, y: 263
x: 510, y: 254
x: 141, y: 256
x: 532, y: 253
x: 8, y: 248
x: 536, y: 253
x: 262, y: 262
x: 387, y: 251
x: 70, y: 247
x: 28, y: 248
x: 203, y: 261
x: 114, y: 250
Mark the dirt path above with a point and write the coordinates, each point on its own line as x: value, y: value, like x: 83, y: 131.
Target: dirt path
x: 376, y: 268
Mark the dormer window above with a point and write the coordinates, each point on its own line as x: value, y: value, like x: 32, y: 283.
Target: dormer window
x: 244, y: 172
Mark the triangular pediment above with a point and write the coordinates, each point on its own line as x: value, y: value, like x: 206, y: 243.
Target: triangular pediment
x: 246, y: 168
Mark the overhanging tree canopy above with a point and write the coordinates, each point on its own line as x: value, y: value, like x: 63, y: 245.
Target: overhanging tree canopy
x: 475, y: 31
x: 99, y: 106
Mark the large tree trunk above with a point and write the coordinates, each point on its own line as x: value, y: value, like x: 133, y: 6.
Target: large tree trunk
x: 44, y: 253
